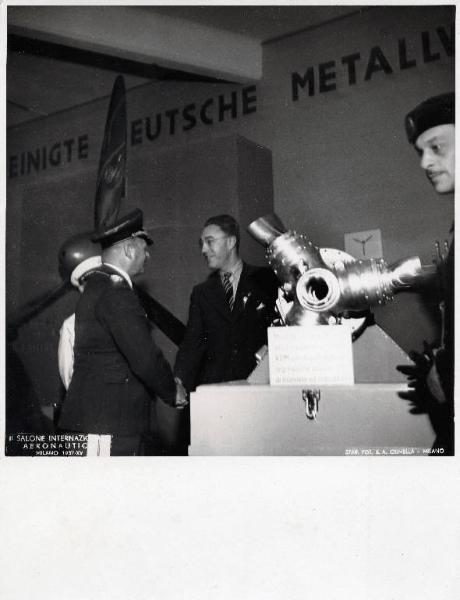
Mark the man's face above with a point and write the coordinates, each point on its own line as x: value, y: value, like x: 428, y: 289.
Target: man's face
x: 139, y: 256
x: 436, y: 146
x: 216, y: 246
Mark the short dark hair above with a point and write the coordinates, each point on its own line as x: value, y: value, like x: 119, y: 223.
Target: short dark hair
x: 228, y: 224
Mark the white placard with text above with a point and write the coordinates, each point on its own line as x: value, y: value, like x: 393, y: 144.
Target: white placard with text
x: 313, y: 355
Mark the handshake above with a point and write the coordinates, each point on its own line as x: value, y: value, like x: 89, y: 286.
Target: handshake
x: 181, y: 400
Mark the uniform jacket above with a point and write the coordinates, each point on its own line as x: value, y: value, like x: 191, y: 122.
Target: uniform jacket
x: 219, y: 344
x: 445, y: 356
x: 442, y: 415
x: 117, y: 364
x: 437, y: 390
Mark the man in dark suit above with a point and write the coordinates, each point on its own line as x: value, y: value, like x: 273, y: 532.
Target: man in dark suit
x: 430, y: 127
x: 229, y: 312
x: 117, y: 366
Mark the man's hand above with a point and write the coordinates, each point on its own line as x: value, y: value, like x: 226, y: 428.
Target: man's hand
x: 418, y: 394
x: 181, y: 395
x: 417, y: 373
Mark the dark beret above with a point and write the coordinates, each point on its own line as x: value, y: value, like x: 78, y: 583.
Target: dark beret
x: 438, y: 110
x: 129, y: 226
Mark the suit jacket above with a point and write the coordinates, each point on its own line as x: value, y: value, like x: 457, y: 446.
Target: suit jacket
x: 117, y: 364
x: 219, y: 344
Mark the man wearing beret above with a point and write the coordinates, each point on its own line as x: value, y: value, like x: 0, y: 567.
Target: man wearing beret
x: 430, y: 128
x: 117, y: 365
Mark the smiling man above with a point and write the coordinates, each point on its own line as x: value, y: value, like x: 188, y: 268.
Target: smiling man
x: 229, y: 312
x: 430, y: 127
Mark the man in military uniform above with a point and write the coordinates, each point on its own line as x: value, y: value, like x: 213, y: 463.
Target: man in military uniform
x: 117, y: 366
x: 430, y: 127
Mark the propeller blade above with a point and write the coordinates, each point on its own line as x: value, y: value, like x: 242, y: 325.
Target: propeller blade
x: 33, y: 307
x: 156, y: 312
x: 111, y: 177
x: 162, y: 317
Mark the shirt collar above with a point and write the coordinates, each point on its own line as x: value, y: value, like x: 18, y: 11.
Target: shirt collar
x: 123, y: 273
x: 235, y: 270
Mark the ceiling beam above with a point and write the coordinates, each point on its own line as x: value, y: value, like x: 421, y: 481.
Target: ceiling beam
x: 135, y: 34
x: 25, y: 45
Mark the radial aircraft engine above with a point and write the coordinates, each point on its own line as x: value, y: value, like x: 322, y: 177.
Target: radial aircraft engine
x: 324, y: 285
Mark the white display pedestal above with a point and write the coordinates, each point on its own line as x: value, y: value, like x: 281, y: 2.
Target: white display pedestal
x: 249, y: 418
x: 241, y: 419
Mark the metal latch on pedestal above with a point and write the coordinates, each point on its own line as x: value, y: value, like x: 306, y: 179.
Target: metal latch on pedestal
x: 311, y: 399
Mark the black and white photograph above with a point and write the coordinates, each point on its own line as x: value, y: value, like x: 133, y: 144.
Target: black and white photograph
x: 240, y: 252
x: 229, y: 232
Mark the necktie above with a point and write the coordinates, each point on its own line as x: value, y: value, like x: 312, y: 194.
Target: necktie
x: 228, y: 288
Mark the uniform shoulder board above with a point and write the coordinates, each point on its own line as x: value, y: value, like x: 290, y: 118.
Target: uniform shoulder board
x: 114, y: 278
x: 117, y: 279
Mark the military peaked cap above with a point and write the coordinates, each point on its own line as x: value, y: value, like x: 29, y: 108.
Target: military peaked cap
x: 129, y: 226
